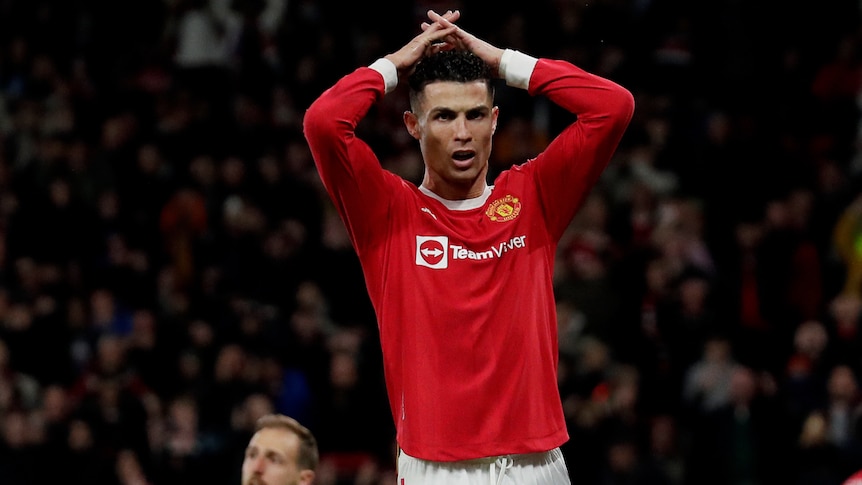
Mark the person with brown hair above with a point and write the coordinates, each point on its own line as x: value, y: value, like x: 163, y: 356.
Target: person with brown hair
x: 281, y: 452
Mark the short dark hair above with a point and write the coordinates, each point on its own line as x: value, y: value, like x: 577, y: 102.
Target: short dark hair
x: 452, y: 65
x: 308, y: 456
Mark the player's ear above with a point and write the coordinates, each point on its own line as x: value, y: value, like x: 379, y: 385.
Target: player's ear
x: 412, y: 124
x: 306, y: 477
x: 495, y: 113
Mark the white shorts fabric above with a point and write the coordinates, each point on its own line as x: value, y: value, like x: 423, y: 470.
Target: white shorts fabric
x: 548, y: 468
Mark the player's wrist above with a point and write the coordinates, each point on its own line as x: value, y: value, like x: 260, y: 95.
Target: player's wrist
x: 388, y: 70
x: 517, y: 68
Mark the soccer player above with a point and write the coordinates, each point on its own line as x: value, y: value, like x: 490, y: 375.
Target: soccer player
x: 281, y: 452
x: 459, y: 269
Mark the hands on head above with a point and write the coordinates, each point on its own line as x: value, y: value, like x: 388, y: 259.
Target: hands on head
x: 440, y: 34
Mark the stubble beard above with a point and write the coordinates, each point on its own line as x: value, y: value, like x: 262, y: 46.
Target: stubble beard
x: 254, y: 480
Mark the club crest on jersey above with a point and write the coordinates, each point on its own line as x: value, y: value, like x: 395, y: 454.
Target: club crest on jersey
x: 504, y: 209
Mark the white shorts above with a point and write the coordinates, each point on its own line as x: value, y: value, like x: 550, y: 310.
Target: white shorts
x: 548, y: 468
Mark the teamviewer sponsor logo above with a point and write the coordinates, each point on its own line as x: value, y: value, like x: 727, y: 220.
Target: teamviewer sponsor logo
x: 435, y: 251
x: 432, y: 251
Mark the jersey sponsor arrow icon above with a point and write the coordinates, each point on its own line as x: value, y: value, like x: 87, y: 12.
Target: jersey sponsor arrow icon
x: 431, y: 251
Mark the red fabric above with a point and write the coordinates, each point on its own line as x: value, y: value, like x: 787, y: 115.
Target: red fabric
x: 464, y: 298
x: 750, y: 315
x: 854, y: 479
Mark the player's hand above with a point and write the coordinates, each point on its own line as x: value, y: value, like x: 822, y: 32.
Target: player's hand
x: 461, y: 39
x: 451, y: 15
x: 429, y: 41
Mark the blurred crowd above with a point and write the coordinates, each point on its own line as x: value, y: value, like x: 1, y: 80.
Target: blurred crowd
x: 171, y: 269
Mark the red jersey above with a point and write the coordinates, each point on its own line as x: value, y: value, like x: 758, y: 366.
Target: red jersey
x: 463, y: 290
x: 854, y: 479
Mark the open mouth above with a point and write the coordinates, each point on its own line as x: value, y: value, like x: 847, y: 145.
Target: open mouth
x: 463, y: 155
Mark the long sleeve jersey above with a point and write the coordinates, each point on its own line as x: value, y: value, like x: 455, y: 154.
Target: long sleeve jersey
x: 463, y: 290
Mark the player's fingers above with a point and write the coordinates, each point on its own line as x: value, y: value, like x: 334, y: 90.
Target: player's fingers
x: 442, y: 46
x: 449, y: 16
x: 436, y: 35
x: 437, y: 18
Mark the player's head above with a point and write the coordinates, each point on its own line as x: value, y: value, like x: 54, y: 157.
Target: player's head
x: 453, y: 116
x: 281, y: 452
x: 452, y: 65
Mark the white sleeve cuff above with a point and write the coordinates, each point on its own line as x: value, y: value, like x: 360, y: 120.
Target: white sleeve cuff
x: 516, y: 68
x: 386, y: 69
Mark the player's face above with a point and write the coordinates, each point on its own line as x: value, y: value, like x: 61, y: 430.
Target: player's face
x: 270, y: 459
x: 454, y: 125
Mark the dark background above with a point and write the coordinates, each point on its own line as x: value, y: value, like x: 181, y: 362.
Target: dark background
x: 170, y: 267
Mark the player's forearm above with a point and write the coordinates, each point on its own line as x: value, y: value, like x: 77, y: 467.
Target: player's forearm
x: 338, y: 110
x: 594, y: 99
